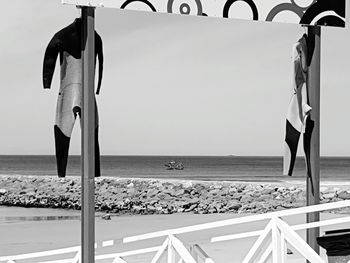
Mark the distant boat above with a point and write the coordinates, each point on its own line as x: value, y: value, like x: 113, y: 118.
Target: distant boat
x: 172, y: 165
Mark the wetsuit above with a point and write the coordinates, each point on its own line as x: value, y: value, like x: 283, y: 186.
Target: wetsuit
x: 299, y: 110
x: 67, y: 43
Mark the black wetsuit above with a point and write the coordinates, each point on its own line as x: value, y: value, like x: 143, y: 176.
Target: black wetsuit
x: 67, y: 43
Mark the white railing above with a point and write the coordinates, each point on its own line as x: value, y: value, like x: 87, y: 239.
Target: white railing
x: 271, y: 242
x: 76, y: 258
x: 199, y: 254
x: 49, y: 253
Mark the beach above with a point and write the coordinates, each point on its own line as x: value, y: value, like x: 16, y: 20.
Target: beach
x: 42, y: 213
x: 25, y: 236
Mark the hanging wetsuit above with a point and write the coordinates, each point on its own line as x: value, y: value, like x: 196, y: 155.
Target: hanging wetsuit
x: 67, y: 43
x: 298, y: 112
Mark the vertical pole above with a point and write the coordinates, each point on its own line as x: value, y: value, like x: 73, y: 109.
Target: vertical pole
x: 313, y: 82
x: 88, y: 136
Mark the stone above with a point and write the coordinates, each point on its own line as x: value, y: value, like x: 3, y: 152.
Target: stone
x: 149, y: 196
x: 263, y: 197
x: 187, y: 184
x: 233, y: 205
x: 106, y: 217
x: 328, y: 195
x: 131, y: 185
x: 236, y: 196
x: 218, y: 186
x: 267, y: 191
x: 344, y: 195
x: 246, y: 199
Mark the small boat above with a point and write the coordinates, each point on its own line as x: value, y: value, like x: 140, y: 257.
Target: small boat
x: 172, y: 165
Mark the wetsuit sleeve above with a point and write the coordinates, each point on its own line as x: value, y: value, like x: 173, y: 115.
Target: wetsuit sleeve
x: 99, y: 51
x: 50, y: 57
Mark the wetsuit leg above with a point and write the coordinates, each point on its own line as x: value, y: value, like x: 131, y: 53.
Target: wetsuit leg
x: 62, y: 147
x: 65, y: 119
x: 310, y: 124
x: 291, y: 148
x: 97, y: 155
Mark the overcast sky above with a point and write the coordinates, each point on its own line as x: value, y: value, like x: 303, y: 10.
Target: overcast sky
x: 172, y: 84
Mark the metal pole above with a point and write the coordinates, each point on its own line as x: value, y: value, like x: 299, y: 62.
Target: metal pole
x: 313, y: 186
x: 88, y: 136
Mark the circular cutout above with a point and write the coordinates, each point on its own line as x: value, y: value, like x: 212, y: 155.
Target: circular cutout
x: 229, y: 3
x: 303, y: 4
x: 284, y: 7
x: 143, y: 1
x: 185, y: 7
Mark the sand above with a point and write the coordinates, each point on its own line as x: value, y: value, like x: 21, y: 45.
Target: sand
x: 20, y: 233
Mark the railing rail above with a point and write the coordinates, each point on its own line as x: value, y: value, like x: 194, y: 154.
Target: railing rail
x: 117, y: 257
x: 240, y: 220
x: 294, y: 227
x: 62, y: 251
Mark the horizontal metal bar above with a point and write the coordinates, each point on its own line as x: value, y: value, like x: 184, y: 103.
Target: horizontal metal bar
x: 240, y: 220
x: 128, y: 253
x: 295, y: 228
x: 67, y: 260
x: 42, y: 254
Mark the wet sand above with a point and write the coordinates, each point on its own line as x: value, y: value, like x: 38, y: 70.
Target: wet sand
x: 25, y: 230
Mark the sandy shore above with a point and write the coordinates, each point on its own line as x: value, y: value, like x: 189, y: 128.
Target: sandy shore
x: 163, y: 204
x: 24, y: 236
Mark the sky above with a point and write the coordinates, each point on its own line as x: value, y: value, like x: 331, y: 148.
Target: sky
x: 173, y: 85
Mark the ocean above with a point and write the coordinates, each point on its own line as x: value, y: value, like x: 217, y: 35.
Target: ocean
x: 241, y: 168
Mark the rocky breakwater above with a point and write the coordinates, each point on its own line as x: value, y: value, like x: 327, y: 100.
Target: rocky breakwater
x: 152, y: 196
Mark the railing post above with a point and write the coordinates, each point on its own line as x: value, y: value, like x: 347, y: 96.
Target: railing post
x: 193, y: 252
x: 276, y: 243
x: 171, y: 252
x: 283, y: 248
x: 77, y: 257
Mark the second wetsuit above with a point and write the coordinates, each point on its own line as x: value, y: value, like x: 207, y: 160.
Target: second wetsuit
x: 299, y: 110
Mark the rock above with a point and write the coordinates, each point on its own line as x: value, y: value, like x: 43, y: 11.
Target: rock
x: 281, y: 189
x: 246, y: 199
x: 148, y: 196
x: 328, y: 195
x: 187, y: 184
x: 263, y: 198
x: 344, y: 195
x: 106, y: 217
x: 152, y: 193
x: 267, y: 191
x: 218, y: 186
x: 233, y: 205
x: 236, y: 196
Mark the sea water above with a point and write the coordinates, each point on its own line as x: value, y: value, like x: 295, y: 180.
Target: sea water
x: 245, y: 168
